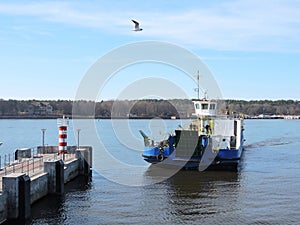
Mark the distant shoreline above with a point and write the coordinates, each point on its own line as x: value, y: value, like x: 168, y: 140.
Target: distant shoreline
x: 135, y: 118
x: 143, y: 109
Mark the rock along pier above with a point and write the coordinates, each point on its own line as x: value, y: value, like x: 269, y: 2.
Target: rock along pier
x: 31, y: 177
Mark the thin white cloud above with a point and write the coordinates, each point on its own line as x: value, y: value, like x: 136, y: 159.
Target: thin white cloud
x: 247, y: 25
x: 243, y: 25
x: 27, y: 31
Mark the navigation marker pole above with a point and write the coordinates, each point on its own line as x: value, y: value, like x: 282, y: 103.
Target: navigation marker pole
x: 62, y: 135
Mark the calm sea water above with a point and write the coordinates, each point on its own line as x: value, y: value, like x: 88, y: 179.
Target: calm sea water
x: 266, y: 190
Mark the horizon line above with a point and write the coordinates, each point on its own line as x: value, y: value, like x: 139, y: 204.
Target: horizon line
x: 106, y: 100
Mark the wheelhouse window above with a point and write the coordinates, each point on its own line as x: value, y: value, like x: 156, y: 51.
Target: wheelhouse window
x: 197, y: 106
x: 212, y: 106
x: 204, y: 106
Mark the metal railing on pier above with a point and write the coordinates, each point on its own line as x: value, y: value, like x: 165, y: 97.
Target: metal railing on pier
x: 31, y: 166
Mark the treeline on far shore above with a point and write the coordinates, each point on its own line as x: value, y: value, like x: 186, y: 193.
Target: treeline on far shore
x: 148, y: 108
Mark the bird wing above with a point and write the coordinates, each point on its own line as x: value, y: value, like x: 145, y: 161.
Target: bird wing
x: 136, y: 24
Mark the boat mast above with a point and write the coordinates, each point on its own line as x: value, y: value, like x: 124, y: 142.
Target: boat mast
x: 198, y: 88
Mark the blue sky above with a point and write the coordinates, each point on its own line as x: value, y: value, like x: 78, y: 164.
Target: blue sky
x: 251, y: 46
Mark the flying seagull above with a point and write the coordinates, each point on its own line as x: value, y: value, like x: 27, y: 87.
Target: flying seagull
x: 136, y: 26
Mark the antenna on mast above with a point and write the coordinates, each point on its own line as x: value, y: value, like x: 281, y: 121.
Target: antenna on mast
x: 205, y: 95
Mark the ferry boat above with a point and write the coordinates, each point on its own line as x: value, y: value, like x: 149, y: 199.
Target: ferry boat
x: 210, y: 142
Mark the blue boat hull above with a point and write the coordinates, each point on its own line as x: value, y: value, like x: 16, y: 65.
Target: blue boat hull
x: 226, y: 159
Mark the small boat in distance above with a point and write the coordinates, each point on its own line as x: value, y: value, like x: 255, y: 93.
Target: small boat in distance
x: 212, y: 141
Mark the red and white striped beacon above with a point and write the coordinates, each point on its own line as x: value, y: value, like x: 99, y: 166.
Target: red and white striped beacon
x: 62, y: 134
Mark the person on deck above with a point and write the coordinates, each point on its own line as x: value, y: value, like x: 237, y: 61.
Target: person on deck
x: 208, y: 129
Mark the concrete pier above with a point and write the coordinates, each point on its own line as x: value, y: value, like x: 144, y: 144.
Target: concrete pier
x: 17, y: 188
x: 55, y: 170
x: 20, y: 190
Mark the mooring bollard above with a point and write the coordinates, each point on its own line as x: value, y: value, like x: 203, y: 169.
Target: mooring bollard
x: 55, y: 169
x: 17, y: 188
x: 84, y: 156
